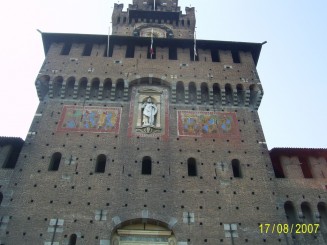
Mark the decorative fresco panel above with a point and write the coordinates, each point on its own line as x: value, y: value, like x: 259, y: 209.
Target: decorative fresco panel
x: 90, y: 119
x: 207, y: 124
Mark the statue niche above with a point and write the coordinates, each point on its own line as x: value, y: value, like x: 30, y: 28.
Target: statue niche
x: 149, y: 112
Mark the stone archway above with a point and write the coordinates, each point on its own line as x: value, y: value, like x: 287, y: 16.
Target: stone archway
x: 140, y: 233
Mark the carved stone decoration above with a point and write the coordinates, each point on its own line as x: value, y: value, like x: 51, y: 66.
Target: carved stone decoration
x: 149, y: 111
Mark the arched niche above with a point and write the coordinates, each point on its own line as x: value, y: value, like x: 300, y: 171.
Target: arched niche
x: 143, y: 231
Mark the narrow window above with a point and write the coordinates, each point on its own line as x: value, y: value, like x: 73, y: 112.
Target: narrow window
x: 55, y: 161
x: 188, y: 23
x: 305, y: 166
x: 191, y: 167
x: 1, y: 197
x: 229, y: 94
x: 82, y: 87
x: 192, y: 92
x: 130, y: 51
x: 87, y: 49
x: 216, y: 94
x: 240, y: 94
x: 236, y: 168
x: 236, y: 56
x: 215, y: 55
x: 290, y: 212
x: 180, y: 93
x: 146, y: 165
x: 106, y: 88
x: 72, y: 239
x: 100, y: 165
x: 57, y: 85
x: 253, y: 95
x: 120, y: 90
x: 307, y: 213
x: 124, y: 20
x: 322, y: 212
x: 173, y: 53
x: 66, y: 49
x: 183, y: 22
x: 204, y: 93
x: 95, y: 88
x: 70, y: 87
x: 118, y: 20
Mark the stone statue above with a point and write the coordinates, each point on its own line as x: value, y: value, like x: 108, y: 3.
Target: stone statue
x: 149, y: 111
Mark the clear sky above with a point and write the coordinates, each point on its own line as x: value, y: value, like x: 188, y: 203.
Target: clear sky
x: 291, y: 65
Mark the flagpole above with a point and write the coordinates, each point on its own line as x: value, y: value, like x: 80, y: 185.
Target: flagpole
x: 108, y: 42
x: 154, y: 5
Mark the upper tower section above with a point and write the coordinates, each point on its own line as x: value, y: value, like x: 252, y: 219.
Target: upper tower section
x: 164, y: 17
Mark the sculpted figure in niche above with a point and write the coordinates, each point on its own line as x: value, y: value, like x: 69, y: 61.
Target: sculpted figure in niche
x: 149, y: 112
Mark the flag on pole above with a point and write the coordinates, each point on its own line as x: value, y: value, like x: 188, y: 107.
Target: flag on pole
x: 151, y: 48
x: 195, y: 53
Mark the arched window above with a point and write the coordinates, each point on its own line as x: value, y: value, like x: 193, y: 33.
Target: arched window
x: 192, y: 92
x: 146, y: 165
x: 57, y: 85
x: 229, y: 94
x: 72, y: 239
x: 236, y: 168
x: 82, y: 87
x: 1, y: 197
x: 322, y: 212
x: 43, y: 86
x: 290, y: 212
x: 204, y: 93
x: 94, y: 88
x: 100, y: 165
x: 70, y: 87
x: 180, y: 93
x: 120, y: 89
x: 107, y: 85
x: 191, y: 167
x: 253, y: 95
x: 216, y: 94
x: 240, y: 94
x: 55, y: 161
x: 307, y: 213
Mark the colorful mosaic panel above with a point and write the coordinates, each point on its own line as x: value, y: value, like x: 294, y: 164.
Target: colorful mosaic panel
x: 207, y: 124
x: 90, y: 119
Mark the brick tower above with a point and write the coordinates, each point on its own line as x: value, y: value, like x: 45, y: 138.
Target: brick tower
x: 150, y: 137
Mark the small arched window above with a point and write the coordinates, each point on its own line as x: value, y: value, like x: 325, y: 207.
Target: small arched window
x: 236, y: 168
x: 146, y: 165
x: 322, y: 212
x: 204, y: 93
x: 307, y: 213
x: 180, y: 92
x: 290, y: 212
x: 100, y: 165
x: 120, y: 89
x: 191, y: 167
x: 72, y: 239
x: 55, y: 161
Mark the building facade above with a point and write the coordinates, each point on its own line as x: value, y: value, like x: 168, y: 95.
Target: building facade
x: 151, y: 137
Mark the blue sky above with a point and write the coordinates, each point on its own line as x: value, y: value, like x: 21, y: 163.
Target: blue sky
x: 291, y: 65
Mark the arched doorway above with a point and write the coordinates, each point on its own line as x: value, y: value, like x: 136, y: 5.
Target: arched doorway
x: 138, y: 232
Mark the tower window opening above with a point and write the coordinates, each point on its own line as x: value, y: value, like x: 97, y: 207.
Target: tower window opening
x: 87, y: 49
x: 1, y: 197
x: 118, y: 20
x: 66, y: 49
x: 307, y: 213
x: 100, y: 165
x: 183, y: 22
x: 236, y: 168
x: 215, y: 55
x: 173, y: 53
x: 72, y: 239
x: 130, y: 51
x: 124, y: 20
x: 290, y: 212
x: 146, y: 165
x: 191, y: 167
x: 305, y: 166
x: 216, y: 93
x: 188, y: 23
x: 322, y: 212
x: 236, y: 56
x: 55, y: 161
